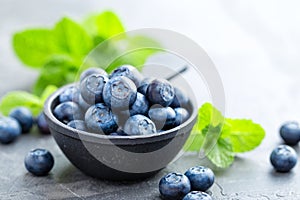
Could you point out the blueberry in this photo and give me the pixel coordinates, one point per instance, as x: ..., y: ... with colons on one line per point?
x: 42, y: 124
x: 39, y: 162
x: 119, y: 93
x: 67, y: 111
x: 119, y: 132
x: 283, y: 158
x: 201, y: 178
x: 24, y: 117
x: 197, y: 195
x: 100, y: 119
x: 10, y: 129
x: 181, y: 116
x: 161, y: 92
x: 70, y: 94
x: 83, y: 104
x: 78, y: 124
x: 290, y: 133
x: 91, y: 88
x: 140, y: 106
x: 144, y: 85
x: 92, y: 70
x: 163, y: 117
x: 128, y: 71
x: 139, y: 125
x: 174, y: 186
x: 180, y: 99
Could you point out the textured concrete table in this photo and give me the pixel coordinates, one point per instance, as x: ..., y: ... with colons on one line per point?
x: 256, y: 87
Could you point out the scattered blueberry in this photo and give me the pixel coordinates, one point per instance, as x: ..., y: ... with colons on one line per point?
x: 128, y: 71
x: 283, y: 158
x: 78, y: 124
x: 139, y: 125
x: 42, y: 124
x: 290, y: 133
x: 10, y: 129
x: 24, y: 117
x: 92, y: 70
x: 119, y: 93
x: 91, y: 88
x: 180, y: 99
x: 70, y: 94
x: 100, y: 119
x: 174, y: 186
x: 163, y: 117
x: 161, y: 92
x: 67, y: 111
x: 144, y: 85
x: 201, y: 178
x: 197, y: 195
x: 39, y: 162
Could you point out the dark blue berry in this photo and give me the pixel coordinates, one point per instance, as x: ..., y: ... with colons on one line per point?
x: 128, y: 71
x: 10, y: 129
x: 70, y: 94
x: 140, y: 106
x: 67, y: 111
x: 119, y: 132
x: 100, y: 119
x: 201, y: 178
x: 161, y: 92
x: 180, y: 99
x: 163, y: 117
x: 144, y: 85
x: 39, y: 162
x: 119, y: 93
x: 92, y: 70
x: 24, y: 117
x: 283, y: 158
x: 197, y: 195
x: 181, y: 116
x: 290, y: 133
x: 42, y: 124
x: 139, y: 125
x: 78, y: 124
x: 174, y: 186
x: 91, y: 88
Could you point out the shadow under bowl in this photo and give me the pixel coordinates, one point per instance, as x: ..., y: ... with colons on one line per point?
x: 120, y: 158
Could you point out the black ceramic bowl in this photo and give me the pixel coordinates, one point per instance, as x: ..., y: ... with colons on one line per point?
x: 118, y: 157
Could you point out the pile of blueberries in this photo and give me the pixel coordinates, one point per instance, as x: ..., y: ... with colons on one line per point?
x: 284, y: 158
x: 122, y: 103
x: 20, y: 120
x: 189, y: 186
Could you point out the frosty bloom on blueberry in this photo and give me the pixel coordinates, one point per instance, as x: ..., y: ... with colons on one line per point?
x: 122, y: 103
x: 283, y: 158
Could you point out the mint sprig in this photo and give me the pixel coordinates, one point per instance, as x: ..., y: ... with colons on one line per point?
x: 59, y: 52
x: 221, y: 138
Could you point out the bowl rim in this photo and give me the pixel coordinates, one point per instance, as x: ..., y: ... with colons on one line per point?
x: 94, y: 137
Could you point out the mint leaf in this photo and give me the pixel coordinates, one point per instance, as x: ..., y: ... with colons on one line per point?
x: 20, y: 98
x: 209, y: 115
x: 50, y: 89
x: 103, y: 26
x: 221, y: 154
x: 72, y: 39
x: 194, y: 142
x: 59, y: 71
x: 34, y: 47
x: 244, y: 135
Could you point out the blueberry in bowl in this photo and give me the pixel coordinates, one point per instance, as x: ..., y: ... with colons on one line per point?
x: 103, y: 146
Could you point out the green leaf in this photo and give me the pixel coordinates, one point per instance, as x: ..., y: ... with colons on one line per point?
x: 244, y: 135
x: 50, y: 89
x: 34, y: 47
x: 221, y: 154
x: 194, y: 142
x: 72, y: 39
x: 209, y: 115
x: 59, y: 71
x: 104, y: 26
x: 20, y: 98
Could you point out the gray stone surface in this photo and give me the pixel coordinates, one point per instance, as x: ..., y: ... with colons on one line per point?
x: 259, y: 84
